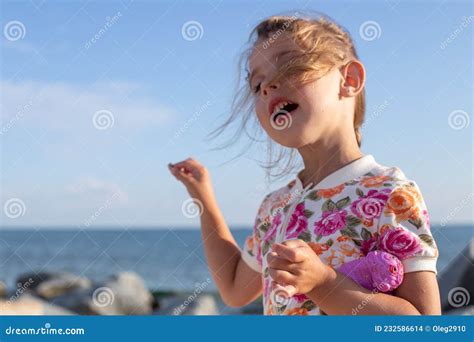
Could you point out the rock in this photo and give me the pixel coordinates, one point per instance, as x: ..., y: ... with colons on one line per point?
x: 30, y: 305
x: 123, y: 294
x: 465, y: 311
x: 79, y: 301
x: 169, y: 304
x: 3, y: 289
x: 130, y: 295
x: 32, y: 280
x: 64, y: 283
x: 203, y: 305
x: 456, y: 284
x: 50, y: 285
x: 186, y: 305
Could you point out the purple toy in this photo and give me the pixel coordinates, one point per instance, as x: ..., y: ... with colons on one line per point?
x: 377, y: 270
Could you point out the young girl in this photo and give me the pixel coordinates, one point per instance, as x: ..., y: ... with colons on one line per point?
x: 306, y: 86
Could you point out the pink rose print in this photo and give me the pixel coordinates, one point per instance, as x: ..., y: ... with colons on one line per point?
x: 371, y: 205
x: 399, y: 242
x: 298, y: 222
x: 266, y: 287
x: 331, y: 222
x: 301, y: 298
x: 271, y: 232
x: 368, y: 245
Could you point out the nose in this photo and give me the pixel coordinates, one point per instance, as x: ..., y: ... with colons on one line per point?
x: 267, y: 87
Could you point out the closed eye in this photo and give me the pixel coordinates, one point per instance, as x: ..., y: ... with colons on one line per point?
x: 256, y: 89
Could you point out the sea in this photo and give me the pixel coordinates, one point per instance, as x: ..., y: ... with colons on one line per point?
x: 167, y: 259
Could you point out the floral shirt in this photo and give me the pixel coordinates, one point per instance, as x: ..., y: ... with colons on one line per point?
x: 360, y: 207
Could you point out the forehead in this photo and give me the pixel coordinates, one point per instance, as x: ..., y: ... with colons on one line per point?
x: 266, y: 48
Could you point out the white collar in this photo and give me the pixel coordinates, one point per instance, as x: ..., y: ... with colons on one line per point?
x: 346, y: 173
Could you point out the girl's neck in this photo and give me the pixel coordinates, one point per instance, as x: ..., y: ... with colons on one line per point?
x: 321, y: 160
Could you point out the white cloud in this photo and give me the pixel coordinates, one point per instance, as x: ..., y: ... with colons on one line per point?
x: 69, y: 108
x: 96, y: 190
x: 20, y: 46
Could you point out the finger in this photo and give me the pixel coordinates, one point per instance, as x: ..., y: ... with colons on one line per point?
x: 193, y: 162
x: 182, y: 176
x: 282, y: 277
x: 189, y: 166
x: 276, y: 262
x: 292, y: 254
x: 294, y: 243
x: 188, y: 163
x: 181, y: 169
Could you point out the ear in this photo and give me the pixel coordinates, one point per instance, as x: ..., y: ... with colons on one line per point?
x: 353, y: 78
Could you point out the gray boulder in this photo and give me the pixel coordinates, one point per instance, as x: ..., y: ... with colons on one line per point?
x: 131, y: 297
x: 28, y: 304
x: 456, y: 284
x: 65, y: 283
x: 52, y: 284
x: 3, y: 289
x: 464, y: 311
x: 188, y: 305
x: 124, y: 294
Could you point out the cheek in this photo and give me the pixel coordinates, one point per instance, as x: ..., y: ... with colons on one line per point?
x: 320, y: 97
x: 261, y: 112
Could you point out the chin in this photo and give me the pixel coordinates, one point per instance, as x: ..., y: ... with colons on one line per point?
x: 290, y: 139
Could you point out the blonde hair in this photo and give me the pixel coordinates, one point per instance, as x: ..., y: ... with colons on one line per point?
x: 324, y: 45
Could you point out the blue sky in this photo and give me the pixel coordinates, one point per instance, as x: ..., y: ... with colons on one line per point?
x: 130, y: 62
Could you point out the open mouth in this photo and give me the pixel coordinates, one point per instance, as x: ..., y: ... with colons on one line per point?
x: 283, y: 108
x: 281, y: 111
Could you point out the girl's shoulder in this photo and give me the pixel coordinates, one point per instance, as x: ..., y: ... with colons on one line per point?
x: 274, y: 200
x: 387, y: 176
x: 393, y: 182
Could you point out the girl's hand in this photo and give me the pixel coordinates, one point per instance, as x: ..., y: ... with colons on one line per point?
x: 294, y: 266
x: 195, y: 178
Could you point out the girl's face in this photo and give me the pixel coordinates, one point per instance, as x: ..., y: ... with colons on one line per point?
x: 312, y: 110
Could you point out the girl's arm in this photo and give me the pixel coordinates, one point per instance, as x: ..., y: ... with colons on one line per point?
x: 339, y: 295
x: 238, y: 284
